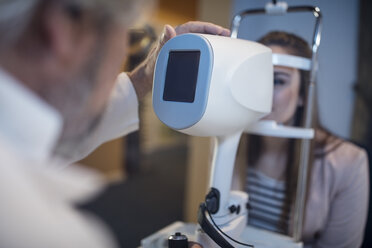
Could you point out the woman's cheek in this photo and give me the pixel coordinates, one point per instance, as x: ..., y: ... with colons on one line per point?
x: 283, y: 108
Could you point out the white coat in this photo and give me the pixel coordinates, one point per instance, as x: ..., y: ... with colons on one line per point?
x: 37, y: 192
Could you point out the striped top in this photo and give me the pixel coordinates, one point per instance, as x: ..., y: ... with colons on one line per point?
x: 266, y: 197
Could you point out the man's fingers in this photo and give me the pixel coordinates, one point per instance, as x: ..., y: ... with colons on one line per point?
x: 201, y: 27
x: 194, y: 245
x: 225, y: 32
x: 215, y: 29
x: 168, y: 33
x: 192, y: 27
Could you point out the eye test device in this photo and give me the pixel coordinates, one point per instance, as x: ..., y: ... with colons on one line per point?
x: 215, y: 86
x: 204, y: 84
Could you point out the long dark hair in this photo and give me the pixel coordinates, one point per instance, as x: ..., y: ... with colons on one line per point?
x: 297, y: 46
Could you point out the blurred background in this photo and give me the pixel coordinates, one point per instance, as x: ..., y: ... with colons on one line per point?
x: 158, y: 176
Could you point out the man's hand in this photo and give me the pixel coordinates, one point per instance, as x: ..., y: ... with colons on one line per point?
x: 194, y: 245
x: 142, y: 75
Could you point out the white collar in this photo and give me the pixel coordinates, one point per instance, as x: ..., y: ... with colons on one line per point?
x: 29, y: 125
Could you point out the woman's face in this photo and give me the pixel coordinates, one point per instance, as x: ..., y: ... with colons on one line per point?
x: 286, y: 91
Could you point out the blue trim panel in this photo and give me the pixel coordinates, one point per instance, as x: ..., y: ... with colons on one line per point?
x: 182, y: 115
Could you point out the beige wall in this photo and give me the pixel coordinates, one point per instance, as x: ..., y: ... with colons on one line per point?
x: 215, y: 11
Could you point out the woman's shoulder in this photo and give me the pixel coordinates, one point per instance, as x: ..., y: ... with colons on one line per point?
x: 343, y: 152
x: 343, y: 159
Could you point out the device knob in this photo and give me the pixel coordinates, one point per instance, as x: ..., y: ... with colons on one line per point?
x: 177, y: 240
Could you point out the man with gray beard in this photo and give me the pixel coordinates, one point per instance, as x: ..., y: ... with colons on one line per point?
x: 60, y: 98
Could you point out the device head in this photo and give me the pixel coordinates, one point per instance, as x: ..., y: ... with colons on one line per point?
x: 208, y: 85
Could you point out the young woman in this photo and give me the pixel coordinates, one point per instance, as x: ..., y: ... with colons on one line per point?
x: 338, y: 186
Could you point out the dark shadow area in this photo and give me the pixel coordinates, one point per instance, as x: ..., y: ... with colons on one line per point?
x: 367, y: 242
x: 362, y: 120
x: 146, y: 202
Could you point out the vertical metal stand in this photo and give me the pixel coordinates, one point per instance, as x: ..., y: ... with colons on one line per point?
x: 305, y: 143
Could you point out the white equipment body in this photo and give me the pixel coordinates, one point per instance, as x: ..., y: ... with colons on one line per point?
x: 236, y: 92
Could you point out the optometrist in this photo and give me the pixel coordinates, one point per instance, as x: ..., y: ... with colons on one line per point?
x: 60, y: 98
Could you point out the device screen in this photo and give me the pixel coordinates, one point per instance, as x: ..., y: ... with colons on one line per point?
x: 181, y: 76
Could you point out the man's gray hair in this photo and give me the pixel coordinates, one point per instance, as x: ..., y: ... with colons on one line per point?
x: 16, y: 15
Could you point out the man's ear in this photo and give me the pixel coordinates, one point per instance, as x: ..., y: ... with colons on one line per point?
x: 68, y: 40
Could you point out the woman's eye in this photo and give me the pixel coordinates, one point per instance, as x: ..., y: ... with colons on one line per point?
x: 278, y: 82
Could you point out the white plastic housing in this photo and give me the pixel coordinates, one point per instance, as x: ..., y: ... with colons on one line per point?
x: 241, y: 87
